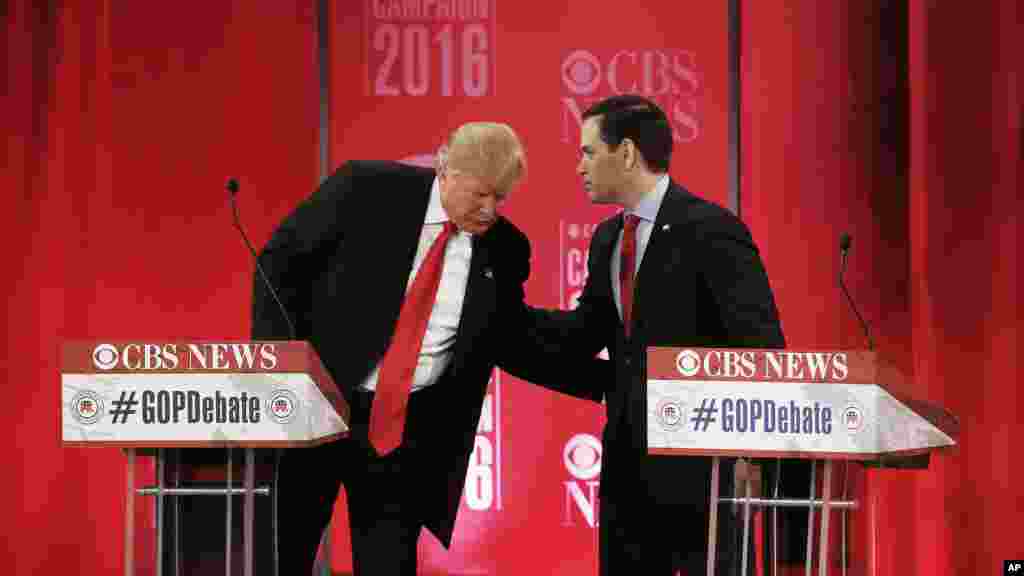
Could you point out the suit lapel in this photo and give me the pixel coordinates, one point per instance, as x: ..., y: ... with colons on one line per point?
x: 604, y: 247
x: 659, y: 247
x: 393, y: 255
x: 478, y: 302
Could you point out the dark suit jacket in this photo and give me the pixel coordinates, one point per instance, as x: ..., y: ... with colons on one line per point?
x: 340, y: 263
x: 700, y: 283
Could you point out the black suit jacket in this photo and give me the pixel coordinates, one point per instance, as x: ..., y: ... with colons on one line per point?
x: 340, y: 263
x: 700, y: 283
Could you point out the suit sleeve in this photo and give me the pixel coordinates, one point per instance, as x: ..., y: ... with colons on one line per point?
x: 535, y: 349
x: 583, y: 331
x: 291, y: 257
x: 738, y: 284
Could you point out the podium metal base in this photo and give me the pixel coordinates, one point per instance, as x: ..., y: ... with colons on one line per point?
x: 189, y: 511
x: 825, y: 504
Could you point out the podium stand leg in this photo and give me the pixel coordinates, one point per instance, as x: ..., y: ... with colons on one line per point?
x: 273, y: 509
x: 168, y: 513
x: 810, y: 520
x: 842, y: 511
x: 176, y: 524
x: 775, y: 518
x: 247, y: 535
x: 129, y: 515
x: 826, y: 497
x: 713, y: 515
x: 227, y: 521
x: 158, y: 560
x: 746, y: 524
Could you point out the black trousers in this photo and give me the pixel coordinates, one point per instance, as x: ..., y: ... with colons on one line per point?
x: 659, y: 526
x: 381, y: 495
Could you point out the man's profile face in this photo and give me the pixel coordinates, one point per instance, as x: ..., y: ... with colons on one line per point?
x: 469, y: 202
x: 599, y: 165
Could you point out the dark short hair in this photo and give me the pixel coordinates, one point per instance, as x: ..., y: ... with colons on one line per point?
x: 639, y: 119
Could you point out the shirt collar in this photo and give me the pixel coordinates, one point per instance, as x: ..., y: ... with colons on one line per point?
x: 649, y: 204
x: 435, y: 212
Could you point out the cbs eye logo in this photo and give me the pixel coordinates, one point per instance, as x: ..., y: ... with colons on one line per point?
x: 581, y: 73
x: 582, y: 456
x: 688, y: 363
x: 105, y: 356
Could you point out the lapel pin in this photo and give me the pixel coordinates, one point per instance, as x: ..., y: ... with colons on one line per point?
x: 488, y: 273
x: 666, y: 227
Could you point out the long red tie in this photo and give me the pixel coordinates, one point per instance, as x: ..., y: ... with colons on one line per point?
x: 627, y: 268
x: 397, y: 368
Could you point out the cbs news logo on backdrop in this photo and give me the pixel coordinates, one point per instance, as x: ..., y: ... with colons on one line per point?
x: 573, y: 251
x: 581, y: 457
x: 670, y: 77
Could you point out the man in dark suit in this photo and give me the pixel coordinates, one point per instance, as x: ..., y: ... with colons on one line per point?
x: 670, y: 270
x: 409, y: 284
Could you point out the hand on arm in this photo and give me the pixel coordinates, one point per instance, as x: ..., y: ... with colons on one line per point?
x: 555, y: 349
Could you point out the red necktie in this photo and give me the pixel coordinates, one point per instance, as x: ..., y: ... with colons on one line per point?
x: 628, y: 265
x: 394, y: 380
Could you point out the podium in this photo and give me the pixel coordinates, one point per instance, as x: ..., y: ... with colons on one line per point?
x: 148, y: 397
x: 823, y: 405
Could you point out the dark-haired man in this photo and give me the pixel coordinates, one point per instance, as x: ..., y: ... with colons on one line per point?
x: 670, y: 270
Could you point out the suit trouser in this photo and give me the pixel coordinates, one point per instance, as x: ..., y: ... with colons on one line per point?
x: 644, y: 529
x: 661, y: 541
x: 383, y: 529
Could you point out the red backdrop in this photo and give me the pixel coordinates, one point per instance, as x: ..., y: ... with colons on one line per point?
x: 122, y: 122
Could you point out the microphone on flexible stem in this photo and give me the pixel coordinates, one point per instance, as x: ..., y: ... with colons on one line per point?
x: 844, y: 249
x: 232, y: 188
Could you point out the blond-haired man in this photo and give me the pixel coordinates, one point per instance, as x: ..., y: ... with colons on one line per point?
x: 409, y: 283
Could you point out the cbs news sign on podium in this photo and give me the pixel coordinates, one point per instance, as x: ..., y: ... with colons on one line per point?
x: 787, y: 403
x: 190, y: 393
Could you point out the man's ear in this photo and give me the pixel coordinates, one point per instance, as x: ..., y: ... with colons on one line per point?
x: 441, y: 161
x: 630, y: 154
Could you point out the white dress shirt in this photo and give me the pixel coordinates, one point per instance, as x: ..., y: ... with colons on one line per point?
x: 647, y: 210
x: 436, y: 353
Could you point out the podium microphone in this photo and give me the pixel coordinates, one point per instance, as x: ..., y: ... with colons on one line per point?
x: 232, y: 188
x: 844, y: 249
